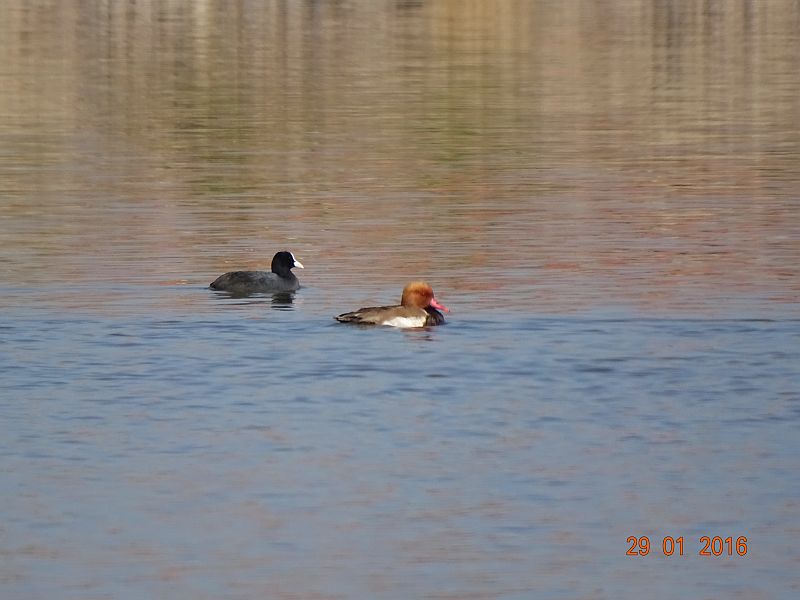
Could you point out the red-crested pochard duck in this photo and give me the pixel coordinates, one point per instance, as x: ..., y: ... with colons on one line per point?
x: 280, y: 280
x: 418, y: 308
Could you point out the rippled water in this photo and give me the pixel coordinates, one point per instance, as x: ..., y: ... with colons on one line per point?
x: 605, y: 195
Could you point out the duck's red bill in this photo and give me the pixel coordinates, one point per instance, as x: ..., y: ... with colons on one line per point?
x: 435, y: 304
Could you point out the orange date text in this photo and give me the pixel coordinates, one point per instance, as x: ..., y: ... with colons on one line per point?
x: 669, y: 545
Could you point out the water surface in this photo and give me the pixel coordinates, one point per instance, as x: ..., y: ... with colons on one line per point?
x: 606, y: 196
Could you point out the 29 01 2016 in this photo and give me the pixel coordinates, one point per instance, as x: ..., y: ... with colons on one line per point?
x: 708, y: 545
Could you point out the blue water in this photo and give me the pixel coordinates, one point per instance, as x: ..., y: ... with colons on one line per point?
x: 604, y: 193
x: 263, y: 450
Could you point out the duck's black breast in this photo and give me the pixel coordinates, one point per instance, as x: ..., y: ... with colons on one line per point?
x: 434, y: 317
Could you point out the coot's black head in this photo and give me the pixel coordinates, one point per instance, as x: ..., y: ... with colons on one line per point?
x: 283, y: 262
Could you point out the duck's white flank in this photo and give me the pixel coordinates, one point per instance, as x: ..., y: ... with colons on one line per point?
x: 405, y: 322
